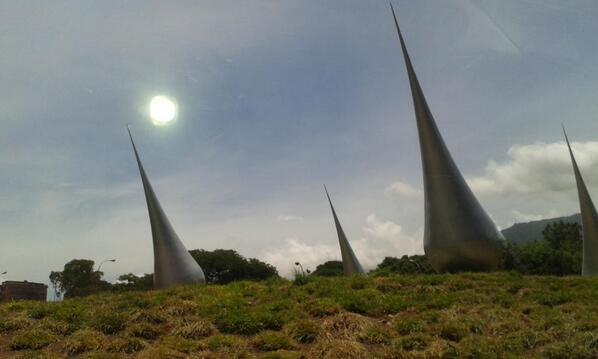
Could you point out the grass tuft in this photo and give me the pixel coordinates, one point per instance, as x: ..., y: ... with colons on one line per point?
x: 84, y: 341
x: 270, y: 341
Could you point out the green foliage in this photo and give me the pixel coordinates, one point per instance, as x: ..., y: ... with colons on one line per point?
x: 417, y: 264
x: 130, y: 281
x: 223, y: 266
x: 558, y: 253
x: 78, y: 279
x: 329, y: 269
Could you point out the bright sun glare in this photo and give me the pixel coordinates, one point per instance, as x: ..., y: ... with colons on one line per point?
x: 163, y: 110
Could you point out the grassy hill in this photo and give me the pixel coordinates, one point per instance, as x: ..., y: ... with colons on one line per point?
x: 427, y: 316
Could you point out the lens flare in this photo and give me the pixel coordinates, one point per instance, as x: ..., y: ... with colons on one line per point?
x: 163, y: 110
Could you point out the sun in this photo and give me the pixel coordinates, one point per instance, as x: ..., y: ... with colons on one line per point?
x: 163, y: 110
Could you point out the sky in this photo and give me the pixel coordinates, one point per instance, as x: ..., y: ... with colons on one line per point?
x: 277, y: 98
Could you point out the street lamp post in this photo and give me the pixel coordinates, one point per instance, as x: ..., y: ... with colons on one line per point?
x: 300, y: 266
x: 104, y: 261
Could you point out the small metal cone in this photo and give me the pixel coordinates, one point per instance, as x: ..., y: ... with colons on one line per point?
x: 173, y: 265
x: 458, y: 235
x: 589, y: 219
x: 351, y: 265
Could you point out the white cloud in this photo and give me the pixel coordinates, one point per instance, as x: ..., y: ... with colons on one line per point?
x: 288, y: 218
x: 527, y: 217
x: 294, y: 250
x: 403, y: 189
x: 538, y: 168
x: 380, y: 239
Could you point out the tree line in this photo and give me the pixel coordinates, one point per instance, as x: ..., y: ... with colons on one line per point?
x: 559, y: 253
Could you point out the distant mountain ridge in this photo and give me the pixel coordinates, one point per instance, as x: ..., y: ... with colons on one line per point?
x: 531, y: 231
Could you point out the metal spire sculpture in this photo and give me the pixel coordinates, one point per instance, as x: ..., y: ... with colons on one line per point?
x: 173, y: 264
x: 589, y: 220
x: 458, y: 234
x: 351, y: 265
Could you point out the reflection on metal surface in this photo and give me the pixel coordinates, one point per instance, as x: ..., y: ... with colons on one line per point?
x: 172, y: 262
x: 351, y: 265
x: 589, y: 220
x: 458, y: 234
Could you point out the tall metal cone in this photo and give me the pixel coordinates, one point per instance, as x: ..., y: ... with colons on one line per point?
x: 589, y: 220
x: 351, y: 265
x: 458, y: 234
x: 172, y: 262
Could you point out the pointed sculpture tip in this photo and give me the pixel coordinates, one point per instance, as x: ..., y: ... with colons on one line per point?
x: 565, y: 133
x: 328, y: 196
x: 567, y: 139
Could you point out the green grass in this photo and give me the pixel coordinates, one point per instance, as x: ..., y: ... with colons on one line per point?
x: 439, y: 316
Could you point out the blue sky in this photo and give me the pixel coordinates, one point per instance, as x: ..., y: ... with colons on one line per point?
x: 276, y: 99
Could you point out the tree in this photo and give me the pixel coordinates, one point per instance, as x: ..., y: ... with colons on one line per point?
x: 130, y: 281
x: 416, y: 264
x: 223, y: 266
x: 78, y: 279
x: 558, y: 253
x: 329, y: 269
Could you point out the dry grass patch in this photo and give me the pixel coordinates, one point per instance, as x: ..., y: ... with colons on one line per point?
x: 346, y: 326
x: 32, y: 339
x: 270, y: 341
x: 195, y: 330
x: 84, y: 341
x: 334, y: 349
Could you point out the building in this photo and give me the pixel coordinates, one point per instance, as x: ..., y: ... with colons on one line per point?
x: 13, y: 290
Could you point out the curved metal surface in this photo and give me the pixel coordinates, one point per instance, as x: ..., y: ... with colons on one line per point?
x: 458, y: 235
x: 173, y: 264
x: 589, y: 220
x: 351, y: 265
